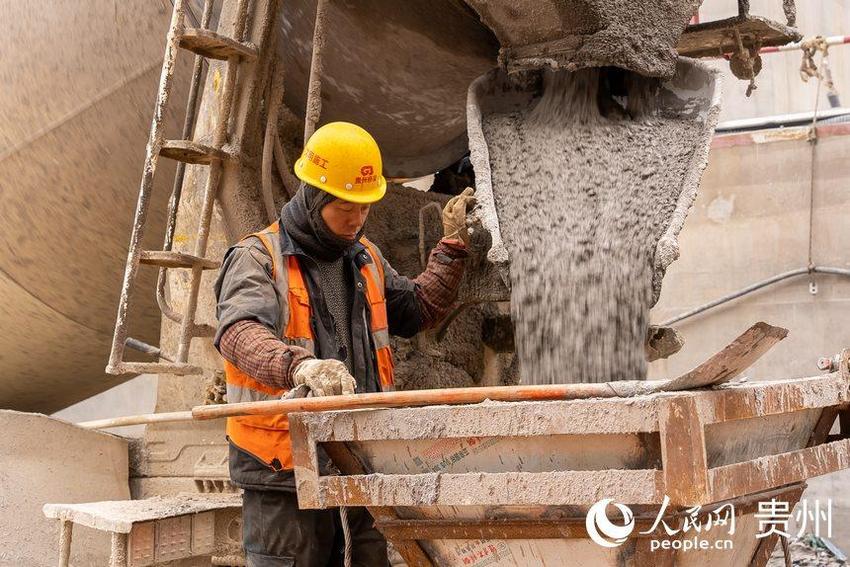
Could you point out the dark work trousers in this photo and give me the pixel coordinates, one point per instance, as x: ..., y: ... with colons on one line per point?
x: 275, y: 533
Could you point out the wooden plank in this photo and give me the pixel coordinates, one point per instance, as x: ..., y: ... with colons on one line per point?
x: 119, y: 516
x: 478, y: 489
x: 757, y: 399
x: 765, y: 547
x: 555, y: 528
x: 578, y: 417
x: 189, y: 151
x: 305, y: 461
x: 348, y: 463
x: 208, y: 43
x: 171, y: 259
x: 683, y: 451
x: 776, y: 470
x: 541, y: 525
x: 736, y: 357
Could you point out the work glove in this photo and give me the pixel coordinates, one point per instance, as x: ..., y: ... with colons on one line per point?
x: 324, y: 377
x: 454, y: 216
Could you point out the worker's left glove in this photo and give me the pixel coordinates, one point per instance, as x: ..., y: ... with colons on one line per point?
x: 454, y: 216
x: 324, y: 377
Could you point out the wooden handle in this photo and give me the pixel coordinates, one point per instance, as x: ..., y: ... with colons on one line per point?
x: 411, y: 398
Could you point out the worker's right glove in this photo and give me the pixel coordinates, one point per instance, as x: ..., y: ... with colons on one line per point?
x: 324, y: 377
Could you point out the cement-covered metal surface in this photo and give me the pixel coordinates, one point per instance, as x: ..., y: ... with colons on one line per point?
x: 638, y: 36
x: 45, y: 460
x: 399, y: 69
x: 750, y: 222
x: 79, y: 84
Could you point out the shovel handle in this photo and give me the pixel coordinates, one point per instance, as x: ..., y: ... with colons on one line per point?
x: 450, y: 396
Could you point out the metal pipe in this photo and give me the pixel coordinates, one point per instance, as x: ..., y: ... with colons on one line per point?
x: 118, y: 553
x: 830, y: 41
x: 314, y: 89
x: 755, y: 287
x: 417, y: 398
x: 384, y: 399
x: 423, y: 253
x: 140, y: 346
x: 273, y: 103
x: 779, y: 120
x: 280, y: 162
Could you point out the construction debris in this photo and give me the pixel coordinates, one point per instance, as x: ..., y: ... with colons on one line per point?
x: 808, y: 551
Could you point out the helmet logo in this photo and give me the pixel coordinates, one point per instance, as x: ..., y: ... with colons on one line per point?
x: 367, y: 175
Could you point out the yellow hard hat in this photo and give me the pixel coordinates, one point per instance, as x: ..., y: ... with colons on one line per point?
x: 344, y: 160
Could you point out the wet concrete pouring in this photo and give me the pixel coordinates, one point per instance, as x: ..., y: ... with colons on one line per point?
x: 585, y: 183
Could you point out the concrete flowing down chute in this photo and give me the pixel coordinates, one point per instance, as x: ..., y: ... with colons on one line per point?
x: 602, y: 165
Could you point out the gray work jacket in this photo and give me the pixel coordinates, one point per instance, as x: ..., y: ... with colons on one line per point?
x: 245, y: 290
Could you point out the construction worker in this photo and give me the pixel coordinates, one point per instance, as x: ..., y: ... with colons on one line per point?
x: 309, y: 300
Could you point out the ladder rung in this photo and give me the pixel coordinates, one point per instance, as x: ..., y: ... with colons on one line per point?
x: 191, y: 152
x: 208, y: 43
x: 166, y: 259
x: 180, y: 369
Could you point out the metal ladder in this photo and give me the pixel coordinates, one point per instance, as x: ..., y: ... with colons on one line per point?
x: 206, y: 44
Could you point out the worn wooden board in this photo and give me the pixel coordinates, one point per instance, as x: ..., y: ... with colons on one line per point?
x: 727, y: 364
x: 683, y: 451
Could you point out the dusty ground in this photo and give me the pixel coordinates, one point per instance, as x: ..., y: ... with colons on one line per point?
x: 803, y: 555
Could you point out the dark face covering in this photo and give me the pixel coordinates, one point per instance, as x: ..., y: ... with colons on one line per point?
x: 302, y: 218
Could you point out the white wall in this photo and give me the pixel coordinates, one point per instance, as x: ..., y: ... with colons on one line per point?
x: 133, y: 397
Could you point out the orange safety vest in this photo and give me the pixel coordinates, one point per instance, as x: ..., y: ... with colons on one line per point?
x: 267, y: 437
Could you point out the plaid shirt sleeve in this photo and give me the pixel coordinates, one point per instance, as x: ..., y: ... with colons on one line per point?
x: 420, y: 303
x: 437, y: 286
x: 255, y: 350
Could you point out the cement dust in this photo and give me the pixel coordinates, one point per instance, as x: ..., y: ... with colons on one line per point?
x: 585, y: 183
